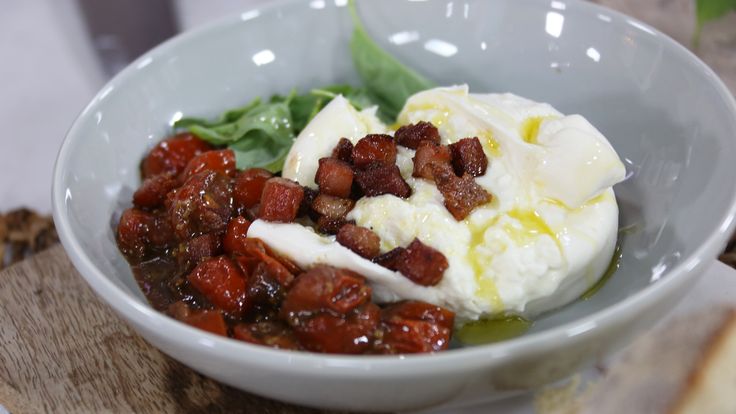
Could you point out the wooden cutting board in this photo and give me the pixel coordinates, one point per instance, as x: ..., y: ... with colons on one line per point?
x: 64, y: 351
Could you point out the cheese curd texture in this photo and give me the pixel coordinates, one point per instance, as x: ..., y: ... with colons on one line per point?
x: 547, y: 236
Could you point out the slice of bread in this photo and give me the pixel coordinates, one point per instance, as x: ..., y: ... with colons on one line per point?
x: 686, y: 367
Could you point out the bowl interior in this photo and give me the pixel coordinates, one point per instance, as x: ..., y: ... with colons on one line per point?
x: 663, y: 111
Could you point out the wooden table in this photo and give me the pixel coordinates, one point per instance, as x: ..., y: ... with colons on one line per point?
x: 64, y: 351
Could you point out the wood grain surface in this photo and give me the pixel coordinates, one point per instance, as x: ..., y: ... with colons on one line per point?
x: 64, y: 351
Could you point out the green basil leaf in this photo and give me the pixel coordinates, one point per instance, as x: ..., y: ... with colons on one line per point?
x: 384, y: 77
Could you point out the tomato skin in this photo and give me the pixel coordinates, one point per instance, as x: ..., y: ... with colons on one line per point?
x: 251, y: 253
x: 152, y: 192
x: 273, y: 334
x: 189, y: 227
x: 341, y: 334
x: 237, y: 231
x: 172, y: 155
x: 249, y: 187
x: 325, y: 288
x: 222, y: 283
x: 221, y: 161
x: 197, y: 249
x: 264, y: 289
x: 412, y: 327
x: 209, y: 320
x: 203, y: 204
x: 141, y: 234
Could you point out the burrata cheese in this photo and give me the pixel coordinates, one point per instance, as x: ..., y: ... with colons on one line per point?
x: 547, y: 236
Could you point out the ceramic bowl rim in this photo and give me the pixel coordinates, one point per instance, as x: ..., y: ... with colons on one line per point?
x: 357, y: 366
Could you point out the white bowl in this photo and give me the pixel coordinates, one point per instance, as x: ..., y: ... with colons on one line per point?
x: 665, y: 112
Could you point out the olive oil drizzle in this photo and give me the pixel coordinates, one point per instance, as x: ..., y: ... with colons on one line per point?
x: 507, y: 326
x: 612, y: 268
x: 530, y: 129
x: 493, y: 329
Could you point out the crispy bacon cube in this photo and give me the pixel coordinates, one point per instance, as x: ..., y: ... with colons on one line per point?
x: 332, y: 207
x: 334, y: 177
x: 248, y: 187
x: 280, y: 200
x: 379, y: 178
x: 468, y: 157
x: 411, y: 135
x: 461, y: 194
x: 172, y: 155
x: 327, y: 225
x: 222, y: 161
x: 361, y: 240
x: 422, y: 264
x: 343, y: 151
x: 152, y: 193
x: 427, y: 154
x: 305, y: 208
x: 222, y: 283
x: 390, y: 259
x: 412, y: 326
x: 374, y: 148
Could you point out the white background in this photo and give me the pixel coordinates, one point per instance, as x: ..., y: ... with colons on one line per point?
x: 48, y: 73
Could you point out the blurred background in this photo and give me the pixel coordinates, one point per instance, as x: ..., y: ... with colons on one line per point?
x: 58, y: 53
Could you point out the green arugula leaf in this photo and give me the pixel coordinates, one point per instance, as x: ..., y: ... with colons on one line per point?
x: 388, y: 82
x: 274, y: 119
x: 260, y: 151
x: 707, y: 10
x: 304, y: 108
x: 227, y: 117
x: 260, y: 134
x: 358, y: 97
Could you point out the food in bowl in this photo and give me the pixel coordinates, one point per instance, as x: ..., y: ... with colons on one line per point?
x: 678, y: 166
x: 523, y: 209
x: 187, y: 238
x: 471, y: 206
x: 288, y: 222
